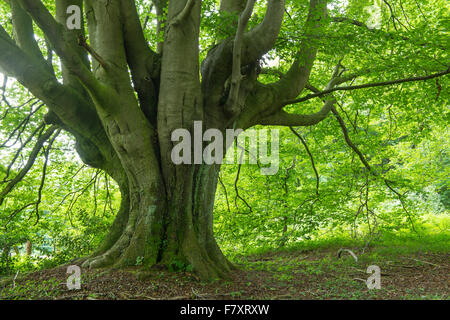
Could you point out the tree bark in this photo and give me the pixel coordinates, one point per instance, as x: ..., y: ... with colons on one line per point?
x: 175, y: 232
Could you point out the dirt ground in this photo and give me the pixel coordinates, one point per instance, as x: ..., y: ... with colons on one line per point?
x: 314, y: 274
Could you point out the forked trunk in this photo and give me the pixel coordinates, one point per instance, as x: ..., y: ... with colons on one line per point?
x: 166, y: 215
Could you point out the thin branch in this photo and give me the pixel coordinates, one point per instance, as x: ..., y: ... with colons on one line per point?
x: 310, y: 156
x: 82, y: 43
x: 288, y: 169
x: 39, y: 130
x: 16, y: 212
x: 349, y: 141
x: 420, y: 9
x: 392, y: 13
x: 108, y: 201
x: 31, y: 159
x: 225, y: 192
x: 367, y: 165
x: 44, y: 172
x: 367, y: 85
x: 77, y: 196
x: 20, y: 128
x: 236, y: 189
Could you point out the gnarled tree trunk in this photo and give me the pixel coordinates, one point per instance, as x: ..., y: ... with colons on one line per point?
x: 123, y: 124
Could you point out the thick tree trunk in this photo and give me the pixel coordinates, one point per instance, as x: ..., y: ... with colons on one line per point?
x: 166, y: 214
x: 177, y: 232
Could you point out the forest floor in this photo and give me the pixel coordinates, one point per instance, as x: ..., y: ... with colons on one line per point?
x: 408, y: 271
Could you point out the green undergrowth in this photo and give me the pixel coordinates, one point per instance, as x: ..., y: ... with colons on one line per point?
x: 431, y: 234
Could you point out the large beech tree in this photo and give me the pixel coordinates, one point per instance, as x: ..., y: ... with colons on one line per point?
x: 121, y: 101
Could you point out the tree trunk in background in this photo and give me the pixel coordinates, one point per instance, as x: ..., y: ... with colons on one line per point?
x: 28, y: 247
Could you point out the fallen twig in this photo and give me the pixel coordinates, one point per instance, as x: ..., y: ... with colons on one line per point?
x: 426, y: 262
x: 349, y: 251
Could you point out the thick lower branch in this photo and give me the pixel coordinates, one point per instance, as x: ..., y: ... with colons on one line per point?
x: 282, y: 118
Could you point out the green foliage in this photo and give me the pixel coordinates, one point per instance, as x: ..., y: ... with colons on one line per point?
x: 180, y: 266
x: 77, y: 203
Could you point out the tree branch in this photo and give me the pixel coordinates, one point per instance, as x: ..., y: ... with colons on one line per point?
x: 294, y: 81
x: 282, y: 118
x: 310, y: 156
x: 73, y: 36
x: 44, y: 173
x: 366, y: 163
x: 143, y: 62
x: 367, y: 85
x: 232, y: 105
x: 65, y: 48
x: 38, y: 131
x: 23, y: 30
x: 76, y: 112
x: 262, y: 38
x: 31, y: 159
x: 160, y: 6
x: 82, y: 43
x: 217, y: 67
x: 269, y: 97
x: 236, y: 189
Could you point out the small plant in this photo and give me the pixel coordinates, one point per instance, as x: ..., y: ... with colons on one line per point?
x: 180, y: 266
x: 139, y: 261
